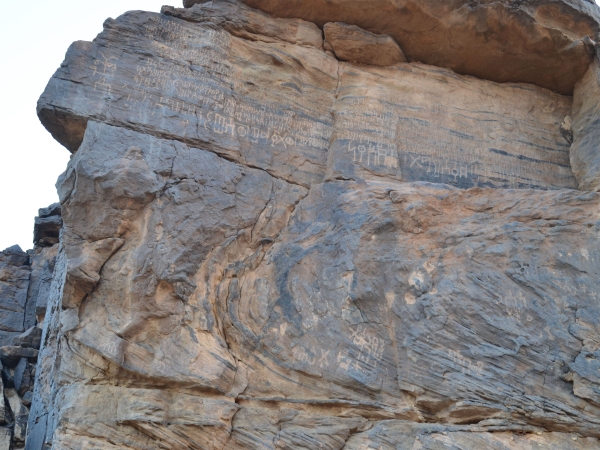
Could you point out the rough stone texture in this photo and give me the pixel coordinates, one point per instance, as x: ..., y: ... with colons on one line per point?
x: 24, y: 288
x: 265, y: 248
x: 202, y: 86
x: 47, y: 226
x: 5, y: 439
x: 11, y: 356
x: 540, y: 41
x: 248, y: 23
x: 14, y: 283
x: 20, y: 414
x: 397, y: 435
x: 42, y: 269
x: 585, y: 158
x: 32, y: 338
x: 415, y: 122
x: 351, y: 43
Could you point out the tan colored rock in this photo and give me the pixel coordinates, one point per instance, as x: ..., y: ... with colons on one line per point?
x: 248, y: 23
x: 585, y: 151
x: 351, y: 43
x: 266, y: 248
x: 540, y: 42
x: 434, y: 437
x: 414, y: 122
x: 303, y: 122
x: 85, y: 263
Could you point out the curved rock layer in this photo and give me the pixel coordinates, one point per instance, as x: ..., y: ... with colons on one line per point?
x: 266, y: 248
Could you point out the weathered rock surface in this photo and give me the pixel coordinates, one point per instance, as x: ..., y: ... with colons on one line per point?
x: 585, y: 158
x: 47, y: 226
x: 352, y: 43
x: 263, y: 247
x: 248, y: 23
x: 204, y: 87
x: 14, y: 283
x: 415, y: 122
x: 24, y: 286
x: 540, y: 42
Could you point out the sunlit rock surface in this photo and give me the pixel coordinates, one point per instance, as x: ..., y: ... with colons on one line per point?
x: 265, y: 247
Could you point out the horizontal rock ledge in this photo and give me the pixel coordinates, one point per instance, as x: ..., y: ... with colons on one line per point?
x: 541, y: 42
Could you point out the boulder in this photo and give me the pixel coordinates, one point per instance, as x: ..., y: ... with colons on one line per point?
x: 47, y: 226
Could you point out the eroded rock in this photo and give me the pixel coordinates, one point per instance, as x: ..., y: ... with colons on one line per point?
x: 540, y: 42
x: 47, y: 226
x: 264, y: 247
x: 352, y: 43
x: 248, y: 23
x: 586, y: 119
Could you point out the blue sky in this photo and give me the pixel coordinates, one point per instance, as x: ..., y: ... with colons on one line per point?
x: 33, y: 42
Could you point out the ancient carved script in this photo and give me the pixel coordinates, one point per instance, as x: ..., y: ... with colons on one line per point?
x: 190, y: 79
x: 433, y: 137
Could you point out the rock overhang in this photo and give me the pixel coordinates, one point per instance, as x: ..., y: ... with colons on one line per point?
x: 542, y: 42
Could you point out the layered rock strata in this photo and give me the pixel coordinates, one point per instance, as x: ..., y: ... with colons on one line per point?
x: 547, y: 43
x: 264, y: 247
x: 25, y: 279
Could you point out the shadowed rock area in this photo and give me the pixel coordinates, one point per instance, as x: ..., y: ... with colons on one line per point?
x: 345, y: 228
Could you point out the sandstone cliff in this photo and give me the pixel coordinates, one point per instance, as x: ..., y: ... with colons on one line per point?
x: 345, y: 225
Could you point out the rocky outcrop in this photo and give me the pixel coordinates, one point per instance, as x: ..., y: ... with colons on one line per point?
x: 24, y: 285
x: 265, y: 247
x: 14, y: 283
x: 546, y: 43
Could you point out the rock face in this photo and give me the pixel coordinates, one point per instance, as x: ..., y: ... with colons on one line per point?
x: 264, y: 247
x: 540, y: 41
x: 586, y: 131
x: 351, y: 43
x: 24, y: 284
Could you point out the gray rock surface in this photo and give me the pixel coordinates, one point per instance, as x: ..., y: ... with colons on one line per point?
x: 25, y: 279
x: 32, y: 338
x: 14, y: 282
x: 263, y: 247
